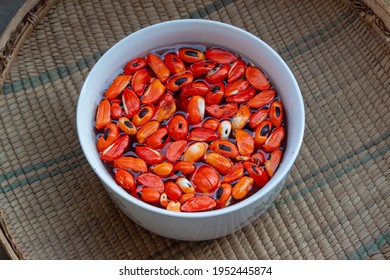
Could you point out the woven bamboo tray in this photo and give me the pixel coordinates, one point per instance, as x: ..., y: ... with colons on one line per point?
x: 336, y: 201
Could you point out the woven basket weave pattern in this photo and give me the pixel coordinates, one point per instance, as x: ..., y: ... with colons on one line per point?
x: 336, y: 201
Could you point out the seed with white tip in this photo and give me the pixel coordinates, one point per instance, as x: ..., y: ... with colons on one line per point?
x: 201, y: 107
x: 185, y: 185
x: 195, y: 152
x: 213, y: 71
x: 224, y: 129
x: 241, y: 117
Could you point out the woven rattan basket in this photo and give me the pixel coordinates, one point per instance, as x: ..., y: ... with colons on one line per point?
x: 336, y: 201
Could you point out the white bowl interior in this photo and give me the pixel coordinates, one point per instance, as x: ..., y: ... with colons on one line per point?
x: 190, y: 31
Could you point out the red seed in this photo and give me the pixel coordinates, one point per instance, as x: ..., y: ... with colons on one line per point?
x: 184, y: 167
x: 110, y: 134
x: 276, y: 113
x: 178, y: 127
x: 150, y: 195
x: 125, y: 179
x: 235, y: 173
x: 115, y: 150
x: 236, y: 71
x: 173, y: 191
x: 202, y: 134
x: 152, y: 181
x: 103, y: 114
x: 174, y: 63
x: 158, y: 67
x: 131, y: 104
x: 217, y: 74
x: 134, y: 65
x: 139, y: 81
x: 258, y: 117
x: 191, y: 55
x: 220, y: 56
x: 258, y: 174
x: 198, y: 203
x: 206, y: 179
x: 225, y: 111
x: 211, y: 124
x: 274, y: 141
x: 117, y: 86
x: 196, y: 88
x: 149, y: 155
x: 257, y: 78
x: 116, y: 110
x: 261, y: 99
x: 175, y: 150
x: 201, y: 68
x: 215, y: 94
x: 272, y: 163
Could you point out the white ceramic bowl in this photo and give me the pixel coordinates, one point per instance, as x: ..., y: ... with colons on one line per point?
x: 203, y: 225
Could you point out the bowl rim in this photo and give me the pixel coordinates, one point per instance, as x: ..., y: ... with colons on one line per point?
x: 270, y: 186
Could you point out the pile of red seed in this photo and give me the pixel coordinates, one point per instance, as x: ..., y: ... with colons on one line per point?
x: 191, y: 129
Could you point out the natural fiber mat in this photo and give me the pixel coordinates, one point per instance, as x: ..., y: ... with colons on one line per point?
x: 336, y: 201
